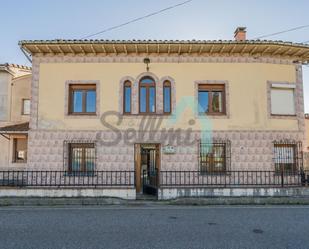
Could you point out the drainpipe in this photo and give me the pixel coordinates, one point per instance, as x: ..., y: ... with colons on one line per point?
x: 25, y: 53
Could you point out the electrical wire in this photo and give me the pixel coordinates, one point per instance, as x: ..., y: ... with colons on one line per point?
x: 137, y: 19
x: 283, y: 31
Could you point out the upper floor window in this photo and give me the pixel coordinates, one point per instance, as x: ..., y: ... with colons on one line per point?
x: 167, y: 103
x: 211, y: 99
x: 127, y: 95
x: 147, y: 96
x: 282, y: 99
x: 26, y: 107
x: 82, y: 99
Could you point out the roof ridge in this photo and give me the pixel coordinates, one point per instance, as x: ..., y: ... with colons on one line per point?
x: 18, y: 66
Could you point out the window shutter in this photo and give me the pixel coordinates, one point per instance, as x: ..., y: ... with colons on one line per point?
x: 282, y: 101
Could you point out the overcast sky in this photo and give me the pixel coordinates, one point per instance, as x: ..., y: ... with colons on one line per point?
x: 199, y: 19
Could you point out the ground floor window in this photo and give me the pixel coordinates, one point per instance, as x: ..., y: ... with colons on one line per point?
x: 214, y: 156
x: 81, y: 157
x: 288, y: 156
x: 20, y: 150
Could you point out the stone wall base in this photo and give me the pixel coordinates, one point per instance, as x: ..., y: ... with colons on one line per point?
x: 123, y: 193
x: 173, y: 193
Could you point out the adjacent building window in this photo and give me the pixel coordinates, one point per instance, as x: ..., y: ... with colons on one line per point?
x: 20, y: 150
x: 127, y: 96
x: 214, y: 157
x: 81, y: 157
x: 167, y: 97
x: 147, y: 96
x: 26, y: 107
x: 211, y: 99
x: 282, y: 99
x: 82, y: 99
x: 287, y: 157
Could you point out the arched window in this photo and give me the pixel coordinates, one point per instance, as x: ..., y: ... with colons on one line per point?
x: 147, y: 95
x: 127, y: 95
x: 167, y: 97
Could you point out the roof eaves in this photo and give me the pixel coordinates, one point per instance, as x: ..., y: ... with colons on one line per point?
x: 76, y: 41
x: 16, y: 128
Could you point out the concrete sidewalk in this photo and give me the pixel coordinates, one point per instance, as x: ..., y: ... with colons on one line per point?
x: 65, y: 201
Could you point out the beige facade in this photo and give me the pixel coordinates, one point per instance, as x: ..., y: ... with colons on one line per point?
x: 249, y: 120
x: 262, y: 102
x: 15, y: 88
x: 253, y: 116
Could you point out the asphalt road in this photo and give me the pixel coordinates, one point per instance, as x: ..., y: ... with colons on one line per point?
x: 155, y: 227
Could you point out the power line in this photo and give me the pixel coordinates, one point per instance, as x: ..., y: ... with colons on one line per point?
x: 283, y: 31
x: 138, y: 19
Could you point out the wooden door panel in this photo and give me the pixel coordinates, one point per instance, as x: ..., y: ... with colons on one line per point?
x: 137, y: 152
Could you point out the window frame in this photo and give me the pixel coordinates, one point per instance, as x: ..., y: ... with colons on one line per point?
x: 147, y: 86
x: 168, y: 84
x: 126, y: 84
x: 15, y: 152
x: 210, y: 88
x: 23, y: 106
x: 280, y: 167
x: 83, y: 146
x: 208, y: 167
x: 84, y: 88
x: 287, y: 87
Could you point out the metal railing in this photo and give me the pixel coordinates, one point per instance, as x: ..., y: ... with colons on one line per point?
x: 163, y: 179
x: 232, y: 179
x: 67, y: 179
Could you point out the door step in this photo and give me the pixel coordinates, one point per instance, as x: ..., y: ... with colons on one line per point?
x: 146, y: 197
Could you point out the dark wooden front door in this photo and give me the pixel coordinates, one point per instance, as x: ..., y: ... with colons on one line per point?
x: 147, y: 167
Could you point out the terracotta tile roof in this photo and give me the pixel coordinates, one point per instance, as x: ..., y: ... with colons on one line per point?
x: 17, y: 128
x: 102, y: 41
x: 15, y: 66
x: 296, y: 51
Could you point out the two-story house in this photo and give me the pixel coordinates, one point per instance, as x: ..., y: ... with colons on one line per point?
x: 166, y: 113
x: 15, y: 83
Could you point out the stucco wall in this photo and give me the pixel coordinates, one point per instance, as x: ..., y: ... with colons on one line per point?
x: 21, y: 88
x: 248, y: 125
x: 247, y: 90
x: 5, y: 93
x: 12, y: 91
x: 306, y: 145
x: 4, y: 152
x: 307, y: 134
x: 249, y: 150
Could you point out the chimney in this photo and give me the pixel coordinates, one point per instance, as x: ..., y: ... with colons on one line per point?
x: 240, y: 34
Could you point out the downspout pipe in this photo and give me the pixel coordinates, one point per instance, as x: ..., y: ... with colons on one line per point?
x: 4, y: 136
x: 25, y: 53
